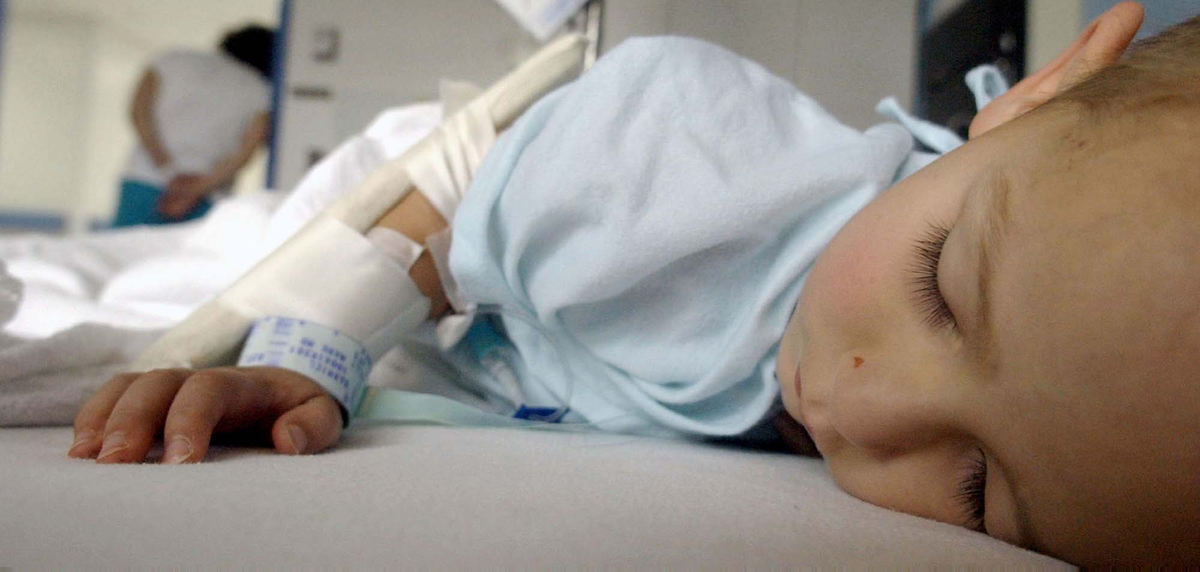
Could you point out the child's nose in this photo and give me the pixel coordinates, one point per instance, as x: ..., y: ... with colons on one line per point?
x: 889, y: 414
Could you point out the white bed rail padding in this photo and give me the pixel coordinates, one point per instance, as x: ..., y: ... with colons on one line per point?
x: 213, y: 334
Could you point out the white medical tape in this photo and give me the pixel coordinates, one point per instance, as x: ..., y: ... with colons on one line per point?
x: 442, y: 172
x: 453, y: 327
x: 337, y: 362
x: 404, y: 250
x: 332, y: 275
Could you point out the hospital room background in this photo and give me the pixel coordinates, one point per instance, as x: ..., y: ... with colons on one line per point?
x: 68, y: 68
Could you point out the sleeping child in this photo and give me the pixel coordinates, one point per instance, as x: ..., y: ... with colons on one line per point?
x: 679, y: 242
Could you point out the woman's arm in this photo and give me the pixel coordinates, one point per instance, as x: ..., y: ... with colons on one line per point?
x: 141, y: 113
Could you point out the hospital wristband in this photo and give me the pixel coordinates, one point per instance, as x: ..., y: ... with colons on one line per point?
x: 335, y: 361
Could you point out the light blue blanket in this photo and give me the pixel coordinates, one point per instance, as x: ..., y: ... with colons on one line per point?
x: 644, y: 232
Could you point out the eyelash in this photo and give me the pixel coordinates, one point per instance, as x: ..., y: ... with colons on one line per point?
x: 971, y: 493
x: 925, y: 278
x: 937, y: 312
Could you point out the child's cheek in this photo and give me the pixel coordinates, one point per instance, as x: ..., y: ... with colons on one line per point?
x: 846, y: 280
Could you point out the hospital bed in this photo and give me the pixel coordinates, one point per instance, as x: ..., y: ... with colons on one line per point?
x: 387, y: 496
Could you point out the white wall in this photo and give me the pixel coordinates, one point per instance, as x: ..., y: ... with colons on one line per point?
x: 40, y: 145
x: 1051, y: 26
x: 847, y: 54
x: 1160, y: 14
x: 1054, y: 24
x: 69, y: 71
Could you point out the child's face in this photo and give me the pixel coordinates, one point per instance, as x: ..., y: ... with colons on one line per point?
x: 1053, y: 342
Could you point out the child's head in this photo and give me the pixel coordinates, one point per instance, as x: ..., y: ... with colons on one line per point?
x: 1010, y: 339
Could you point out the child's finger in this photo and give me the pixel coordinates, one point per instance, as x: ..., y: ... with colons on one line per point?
x: 138, y: 415
x: 229, y: 399
x: 310, y: 427
x: 90, y: 421
x: 207, y: 399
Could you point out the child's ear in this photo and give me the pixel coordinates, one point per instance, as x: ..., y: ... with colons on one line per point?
x: 1101, y: 44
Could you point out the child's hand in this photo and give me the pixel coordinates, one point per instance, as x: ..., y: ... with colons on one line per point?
x: 121, y: 422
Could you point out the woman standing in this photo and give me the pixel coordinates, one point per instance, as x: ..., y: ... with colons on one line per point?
x: 199, y: 119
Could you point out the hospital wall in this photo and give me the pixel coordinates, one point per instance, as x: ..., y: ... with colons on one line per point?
x: 1053, y: 24
x: 41, y: 154
x: 847, y: 54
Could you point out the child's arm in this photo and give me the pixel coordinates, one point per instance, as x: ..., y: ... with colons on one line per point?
x: 416, y: 218
x: 121, y: 421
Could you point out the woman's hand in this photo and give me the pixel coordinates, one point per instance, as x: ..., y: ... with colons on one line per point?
x: 121, y: 422
x: 183, y: 193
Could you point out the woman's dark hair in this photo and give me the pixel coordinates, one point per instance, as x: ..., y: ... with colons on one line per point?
x: 252, y: 45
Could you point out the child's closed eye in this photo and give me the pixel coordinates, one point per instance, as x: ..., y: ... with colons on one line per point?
x: 971, y: 493
x: 926, y: 292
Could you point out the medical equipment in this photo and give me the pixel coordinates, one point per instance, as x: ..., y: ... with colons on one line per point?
x: 308, y: 276
x: 542, y: 17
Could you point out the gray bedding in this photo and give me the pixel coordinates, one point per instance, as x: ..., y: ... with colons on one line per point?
x: 438, y: 498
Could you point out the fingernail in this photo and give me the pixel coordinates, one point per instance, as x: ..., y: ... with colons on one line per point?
x: 82, y: 438
x: 114, y: 443
x: 179, y: 450
x: 299, y: 441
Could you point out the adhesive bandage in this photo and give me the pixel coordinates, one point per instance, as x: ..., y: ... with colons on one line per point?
x: 402, y: 249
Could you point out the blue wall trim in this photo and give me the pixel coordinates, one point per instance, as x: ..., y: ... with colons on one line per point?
x: 26, y: 221
x: 42, y: 222
x: 278, y: 69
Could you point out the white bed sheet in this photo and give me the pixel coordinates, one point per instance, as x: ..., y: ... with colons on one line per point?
x: 456, y: 498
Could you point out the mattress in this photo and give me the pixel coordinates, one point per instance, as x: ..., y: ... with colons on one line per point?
x: 462, y: 498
